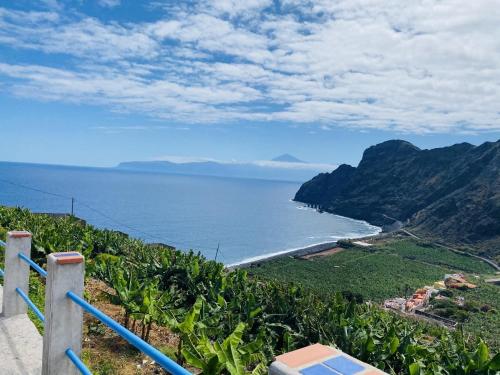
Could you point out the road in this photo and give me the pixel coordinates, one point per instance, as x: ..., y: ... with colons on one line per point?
x: 489, y: 261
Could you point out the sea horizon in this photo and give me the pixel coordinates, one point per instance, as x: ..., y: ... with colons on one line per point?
x: 258, y: 221
x: 116, y: 169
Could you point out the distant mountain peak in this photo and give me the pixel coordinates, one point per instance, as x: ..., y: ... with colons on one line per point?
x: 287, y: 158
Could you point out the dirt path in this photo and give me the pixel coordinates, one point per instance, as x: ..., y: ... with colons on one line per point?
x: 324, y: 253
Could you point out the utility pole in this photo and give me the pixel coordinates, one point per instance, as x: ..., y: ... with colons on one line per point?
x: 72, y: 206
x: 217, y: 252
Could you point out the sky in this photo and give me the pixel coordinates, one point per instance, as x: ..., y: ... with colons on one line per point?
x: 100, y: 82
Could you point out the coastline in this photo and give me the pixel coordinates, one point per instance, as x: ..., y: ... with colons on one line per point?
x: 311, y: 249
x: 308, y: 249
x: 300, y: 251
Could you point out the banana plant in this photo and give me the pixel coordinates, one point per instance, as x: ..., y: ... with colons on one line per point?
x: 149, y: 304
x: 127, y: 288
x: 230, y: 356
x: 231, y: 322
x: 214, y: 357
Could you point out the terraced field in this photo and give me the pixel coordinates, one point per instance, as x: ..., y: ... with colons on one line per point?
x: 380, y: 272
x: 391, y: 269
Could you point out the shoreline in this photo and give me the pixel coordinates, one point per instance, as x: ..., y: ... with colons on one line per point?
x: 301, y: 251
x: 296, y: 252
x: 311, y: 249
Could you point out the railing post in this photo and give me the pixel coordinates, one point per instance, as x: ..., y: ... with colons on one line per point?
x: 16, y: 273
x: 63, y: 317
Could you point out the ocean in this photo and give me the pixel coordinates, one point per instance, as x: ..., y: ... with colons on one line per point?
x: 244, y: 219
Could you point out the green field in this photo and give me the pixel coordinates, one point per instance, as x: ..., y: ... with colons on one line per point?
x: 377, y: 273
x: 389, y: 270
x: 428, y: 253
x: 484, y: 324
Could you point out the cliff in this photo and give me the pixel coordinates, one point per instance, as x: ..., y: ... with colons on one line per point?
x: 451, y: 193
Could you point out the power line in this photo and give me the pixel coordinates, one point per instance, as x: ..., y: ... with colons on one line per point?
x: 81, y: 203
x: 35, y: 189
x: 117, y: 222
x: 217, y: 251
x: 99, y: 212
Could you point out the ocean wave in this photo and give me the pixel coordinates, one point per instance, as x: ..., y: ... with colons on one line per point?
x: 270, y: 255
x: 350, y: 235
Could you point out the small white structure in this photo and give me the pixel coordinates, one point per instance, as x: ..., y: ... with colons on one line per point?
x: 362, y: 243
x: 395, y: 304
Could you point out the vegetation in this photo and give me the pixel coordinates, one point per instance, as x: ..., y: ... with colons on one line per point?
x: 377, y: 273
x: 427, y: 253
x: 228, y: 322
x: 395, y: 268
x: 374, y: 275
x: 480, y: 312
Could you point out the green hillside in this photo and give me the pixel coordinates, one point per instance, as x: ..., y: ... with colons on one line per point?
x: 227, y: 322
x: 393, y: 269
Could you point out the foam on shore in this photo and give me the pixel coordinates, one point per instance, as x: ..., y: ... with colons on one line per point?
x: 308, y: 249
x: 298, y: 251
x: 277, y: 254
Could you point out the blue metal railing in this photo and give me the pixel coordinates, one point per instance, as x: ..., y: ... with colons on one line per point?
x: 140, y: 344
x: 2, y: 244
x: 35, y: 266
x: 134, y: 340
x: 30, y: 304
x: 77, y: 362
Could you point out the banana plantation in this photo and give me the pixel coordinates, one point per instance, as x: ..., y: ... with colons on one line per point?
x: 230, y: 323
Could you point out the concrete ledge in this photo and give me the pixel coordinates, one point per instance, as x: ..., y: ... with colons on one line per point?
x: 20, y: 346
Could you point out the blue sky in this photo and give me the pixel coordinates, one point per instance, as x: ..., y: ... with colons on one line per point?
x: 99, y: 82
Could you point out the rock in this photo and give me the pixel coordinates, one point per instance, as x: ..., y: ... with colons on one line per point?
x: 451, y: 192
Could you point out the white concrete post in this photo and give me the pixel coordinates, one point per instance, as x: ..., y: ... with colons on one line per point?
x: 16, y: 273
x: 63, y: 317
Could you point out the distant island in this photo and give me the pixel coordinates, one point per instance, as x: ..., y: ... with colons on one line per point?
x: 449, y: 193
x: 284, y: 167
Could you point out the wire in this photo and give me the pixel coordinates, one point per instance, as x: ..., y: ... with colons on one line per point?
x: 35, y: 189
x: 110, y: 218
x: 99, y: 212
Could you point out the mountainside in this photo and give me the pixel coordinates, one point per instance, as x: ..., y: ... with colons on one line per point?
x: 452, y: 192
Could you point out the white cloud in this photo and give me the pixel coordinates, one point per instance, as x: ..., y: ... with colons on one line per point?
x: 236, y: 7
x: 86, y: 38
x: 186, y: 159
x: 318, y: 167
x: 296, y: 166
x: 418, y: 66
x: 109, y: 3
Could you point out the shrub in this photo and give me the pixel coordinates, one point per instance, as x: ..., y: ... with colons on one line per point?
x: 350, y: 296
x: 346, y: 244
x: 446, y: 293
